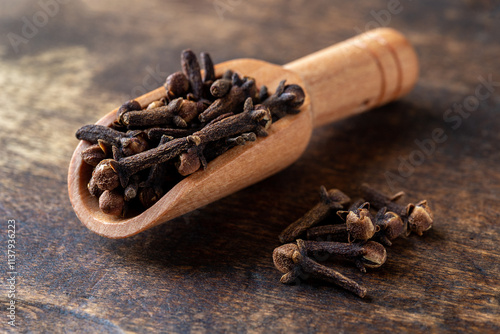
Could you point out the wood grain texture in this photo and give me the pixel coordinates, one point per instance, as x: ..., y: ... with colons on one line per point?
x: 211, y: 270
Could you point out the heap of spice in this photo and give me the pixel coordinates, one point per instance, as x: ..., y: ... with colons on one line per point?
x: 359, y: 235
x: 148, y: 149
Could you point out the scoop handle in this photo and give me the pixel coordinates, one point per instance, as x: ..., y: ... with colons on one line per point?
x: 358, y: 74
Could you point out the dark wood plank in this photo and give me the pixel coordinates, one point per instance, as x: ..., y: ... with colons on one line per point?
x: 211, y: 270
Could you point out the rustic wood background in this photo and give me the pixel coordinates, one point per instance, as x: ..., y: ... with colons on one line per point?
x: 211, y: 270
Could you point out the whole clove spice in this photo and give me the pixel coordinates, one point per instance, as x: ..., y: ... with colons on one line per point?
x: 154, y: 117
x: 369, y: 254
x: 220, y: 87
x: 134, y: 144
x: 332, y: 199
x: 176, y: 85
x: 286, y: 100
x: 293, y: 262
x: 256, y: 120
x: 418, y: 216
x: 328, y: 232
x: 93, y: 132
x: 132, y: 188
x: 191, y: 69
x: 126, y: 167
x: 104, y: 176
x: 155, y: 134
x: 391, y: 226
x: 208, y: 67
x: 93, y: 154
x: 227, y: 103
x: 358, y: 220
x: 189, y: 162
x: 126, y: 107
x: 93, y: 188
x: 112, y: 202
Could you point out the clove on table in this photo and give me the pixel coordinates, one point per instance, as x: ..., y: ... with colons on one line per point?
x: 359, y: 236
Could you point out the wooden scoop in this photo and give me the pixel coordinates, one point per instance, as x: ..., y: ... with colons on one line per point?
x: 345, y: 79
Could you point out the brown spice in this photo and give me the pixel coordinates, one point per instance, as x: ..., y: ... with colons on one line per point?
x: 332, y: 199
x: 358, y: 220
x: 418, y: 216
x: 93, y: 154
x: 369, y: 254
x: 177, y: 85
x: 111, y: 202
x: 220, y: 87
x: 191, y: 69
x: 391, y: 226
x: 292, y: 260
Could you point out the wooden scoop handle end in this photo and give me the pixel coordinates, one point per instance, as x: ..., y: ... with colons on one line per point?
x: 358, y: 74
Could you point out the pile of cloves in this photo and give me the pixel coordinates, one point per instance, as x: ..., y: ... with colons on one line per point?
x: 335, y: 229
x: 148, y: 149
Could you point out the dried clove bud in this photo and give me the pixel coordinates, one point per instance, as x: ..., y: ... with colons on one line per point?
x: 228, y: 74
x: 332, y: 199
x: 177, y: 85
x: 179, y: 112
x: 152, y: 117
x: 94, y: 190
x: 187, y: 111
x: 418, y: 216
x: 286, y: 100
x: 227, y: 103
x: 111, y: 202
x: 358, y: 221
x: 370, y: 254
x: 189, y: 162
x: 104, y: 176
x: 191, y: 69
x: 132, y: 188
x: 93, y: 154
x: 220, y: 87
x: 157, y: 133
x: 208, y: 67
x: 294, y: 263
x: 236, y: 80
x: 93, y: 132
x: 263, y: 93
x: 328, y: 232
x: 152, y: 189
x: 196, y: 157
x: 255, y: 120
x: 128, y: 106
x: 391, y: 226
x: 250, y: 89
x: 133, y: 145
x: 130, y: 165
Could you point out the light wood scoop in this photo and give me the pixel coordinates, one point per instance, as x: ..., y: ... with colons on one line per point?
x: 345, y: 79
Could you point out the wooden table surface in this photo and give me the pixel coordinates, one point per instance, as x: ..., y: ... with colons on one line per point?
x: 64, y: 64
